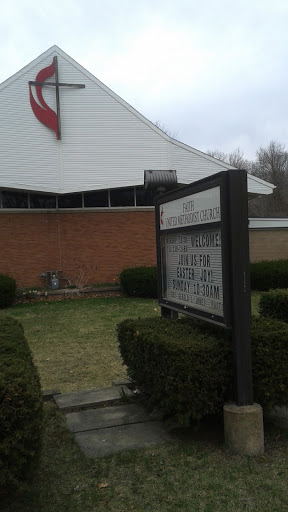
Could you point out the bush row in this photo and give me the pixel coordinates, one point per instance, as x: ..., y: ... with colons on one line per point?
x: 139, y: 282
x: 185, y: 366
x: 20, y: 407
x: 274, y: 304
x: 265, y: 275
x: 268, y: 275
x: 7, y: 290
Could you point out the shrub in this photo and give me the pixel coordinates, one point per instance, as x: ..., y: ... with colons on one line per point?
x: 20, y: 407
x: 7, y: 290
x: 180, y: 368
x: 269, y: 340
x: 274, y: 304
x: 139, y: 282
x: 185, y: 367
x: 27, y: 293
x: 269, y: 347
x: 266, y: 275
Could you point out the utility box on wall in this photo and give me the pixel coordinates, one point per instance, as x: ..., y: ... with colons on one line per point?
x: 53, y: 279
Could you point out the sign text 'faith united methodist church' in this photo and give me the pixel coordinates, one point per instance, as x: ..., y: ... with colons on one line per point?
x: 192, y: 250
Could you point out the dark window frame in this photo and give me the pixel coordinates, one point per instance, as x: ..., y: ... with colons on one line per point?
x: 122, y: 191
x: 28, y: 204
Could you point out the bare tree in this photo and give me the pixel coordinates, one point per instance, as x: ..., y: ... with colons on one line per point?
x: 271, y: 165
x: 235, y: 158
x: 166, y: 130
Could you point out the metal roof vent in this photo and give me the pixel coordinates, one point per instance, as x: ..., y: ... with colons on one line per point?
x: 160, y: 180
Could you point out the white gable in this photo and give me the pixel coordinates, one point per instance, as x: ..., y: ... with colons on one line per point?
x: 105, y: 142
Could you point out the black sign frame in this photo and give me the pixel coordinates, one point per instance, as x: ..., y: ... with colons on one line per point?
x: 218, y: 180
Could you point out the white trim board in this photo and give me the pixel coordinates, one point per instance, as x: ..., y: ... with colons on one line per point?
x: 268, y: 223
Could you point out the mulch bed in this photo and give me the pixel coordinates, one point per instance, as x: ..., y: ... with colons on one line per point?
x: 71, y: 295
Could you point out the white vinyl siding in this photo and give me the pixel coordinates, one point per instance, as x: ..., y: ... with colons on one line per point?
x: 105, y: 142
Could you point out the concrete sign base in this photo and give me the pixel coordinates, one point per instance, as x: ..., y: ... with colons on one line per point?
x: 243, y: 426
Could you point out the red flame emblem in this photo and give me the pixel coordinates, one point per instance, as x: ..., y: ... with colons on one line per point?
x: 44, y: 113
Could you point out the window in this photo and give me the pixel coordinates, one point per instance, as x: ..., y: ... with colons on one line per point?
x: 115, y: 198
x: 42, y: 201
x: 96, y: 199
x: 11, y: 199
x: 145, y: 197
x: 70, y: 201
x: 122, y: 197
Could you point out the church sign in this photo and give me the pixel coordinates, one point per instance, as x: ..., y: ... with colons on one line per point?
x: 203, y: 261
x: 192, y: 250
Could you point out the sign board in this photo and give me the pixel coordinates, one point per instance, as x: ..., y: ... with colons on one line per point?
x: 203, y: 261
x: 192, y: 246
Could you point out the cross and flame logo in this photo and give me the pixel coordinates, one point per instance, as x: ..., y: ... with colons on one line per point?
x: 44, y: 113
x: 161, y: 215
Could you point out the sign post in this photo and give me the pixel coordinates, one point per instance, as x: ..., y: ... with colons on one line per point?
x: 240, y: 289
x: 203, y: 272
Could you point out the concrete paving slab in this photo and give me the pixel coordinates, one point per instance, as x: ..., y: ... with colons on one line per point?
x: 94, y: 419
x: 106, y: 441
x: 91, y: 398
x: 48, y: 394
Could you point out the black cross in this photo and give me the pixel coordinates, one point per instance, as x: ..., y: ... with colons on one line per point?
x: 57, y: 84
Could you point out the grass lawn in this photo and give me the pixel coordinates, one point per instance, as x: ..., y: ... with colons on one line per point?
x: 74, y: 341
x: 193, y: 474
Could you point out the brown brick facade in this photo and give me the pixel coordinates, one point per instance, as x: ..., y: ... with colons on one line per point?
x: 268, y: 244
x: 95, y: 246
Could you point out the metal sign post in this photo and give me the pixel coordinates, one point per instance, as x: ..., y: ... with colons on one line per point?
x: 240, y: 286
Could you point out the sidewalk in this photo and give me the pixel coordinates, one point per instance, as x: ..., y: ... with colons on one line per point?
x: 108, y: 420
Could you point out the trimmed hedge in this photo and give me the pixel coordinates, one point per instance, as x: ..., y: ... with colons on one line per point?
x: 267, y: 275
x: 264, y: 275
x: 274, y: 304
x: 7, y: 290
x: 269, y: 339
x: 180, y: 368
x: 21, y: 407
x: 185, y: 367
x: 139, y: 282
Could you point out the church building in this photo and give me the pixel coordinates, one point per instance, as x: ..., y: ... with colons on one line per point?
x: 72, y: 160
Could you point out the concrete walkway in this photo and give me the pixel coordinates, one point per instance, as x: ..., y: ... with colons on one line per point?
x: 108, y: 420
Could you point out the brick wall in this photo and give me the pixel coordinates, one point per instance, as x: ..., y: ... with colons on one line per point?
x: 94, y: 246
x: 268, y: 244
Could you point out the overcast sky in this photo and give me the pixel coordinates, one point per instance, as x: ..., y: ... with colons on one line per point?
x: 214, y: 72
